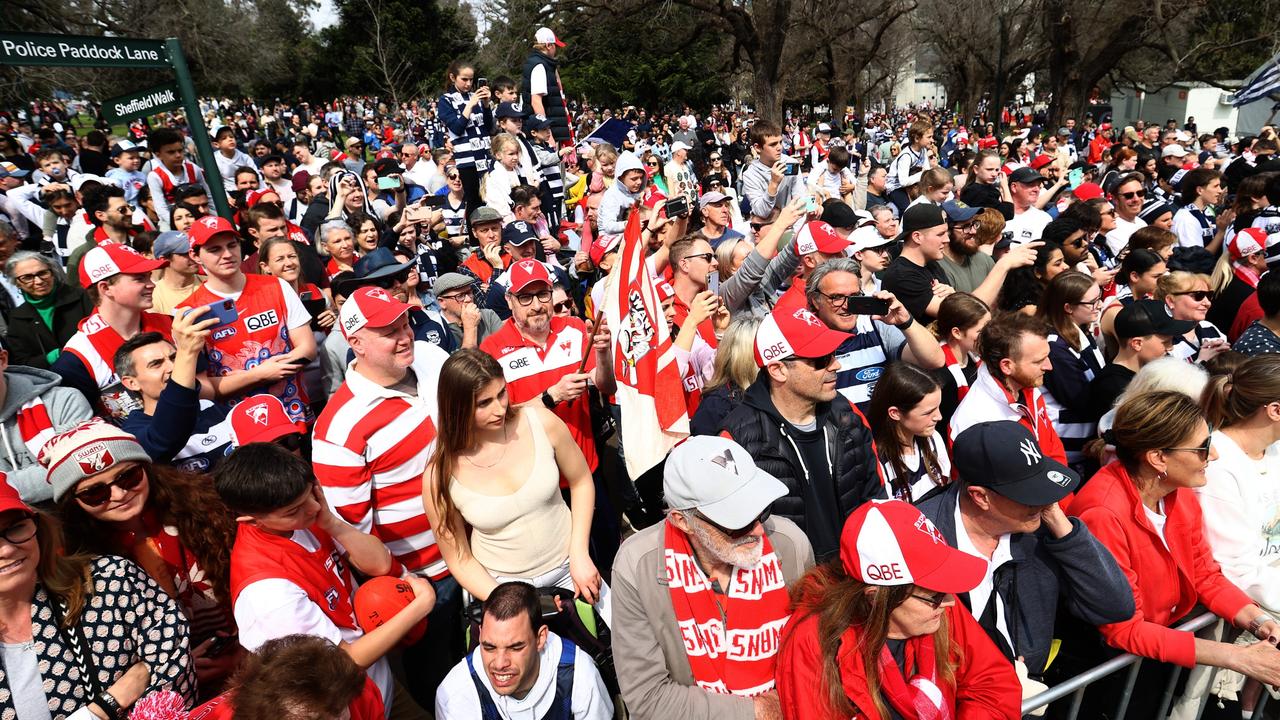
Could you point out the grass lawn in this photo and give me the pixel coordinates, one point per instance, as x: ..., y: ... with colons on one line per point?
x: 84, y: 123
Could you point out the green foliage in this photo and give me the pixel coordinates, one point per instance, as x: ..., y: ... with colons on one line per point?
x: 655, y: 58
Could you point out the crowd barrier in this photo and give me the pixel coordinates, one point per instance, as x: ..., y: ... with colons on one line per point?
x: 1076, y: 686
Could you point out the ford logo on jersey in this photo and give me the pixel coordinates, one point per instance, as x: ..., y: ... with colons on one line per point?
x: 869, y: 373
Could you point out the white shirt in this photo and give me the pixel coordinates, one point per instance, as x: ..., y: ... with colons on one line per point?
x: 1118, y: 239
x: 457, y: 697
x: 283, y: 188
x: 538, y: 80
x: 1028, y: 225
x: 273, y: 608
x: 982, y: 594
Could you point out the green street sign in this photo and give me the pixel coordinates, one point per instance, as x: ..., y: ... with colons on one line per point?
x: 81, y: 51
x: 142, y: 103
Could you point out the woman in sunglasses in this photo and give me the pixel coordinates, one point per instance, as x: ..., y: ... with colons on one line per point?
x: 114, y: 501
x: 492, y: 489
x: 877, y: 632
x: 1141, y: 506
x: 1188, y: 297
x: 52, y: 601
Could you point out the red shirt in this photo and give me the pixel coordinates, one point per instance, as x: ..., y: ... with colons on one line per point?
x: 706, y: 330
x: 530, y: 370
x: 365, y: 706
x: 476, y: 263
x: 95, y: 347
x: 1249, y: 311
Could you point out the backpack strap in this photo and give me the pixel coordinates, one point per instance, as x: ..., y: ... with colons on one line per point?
x: 487, y: 707
x: 562, y: 705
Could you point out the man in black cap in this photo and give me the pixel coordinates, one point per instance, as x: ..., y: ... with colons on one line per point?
x: 915, y: 277
x: 1005, y: 508
x: 1145, y: 331
x: 381, y: 269
x: 968, y: 269
x: 273, y: 176
x: 1028, y: 221
x: 520, y: 243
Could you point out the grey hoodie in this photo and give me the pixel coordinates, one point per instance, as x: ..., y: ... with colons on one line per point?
x: 616, y: 197
x: 66, y: 407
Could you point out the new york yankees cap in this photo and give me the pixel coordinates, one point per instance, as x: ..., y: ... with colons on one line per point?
x: 1004, y: 456
x: 717, y: 477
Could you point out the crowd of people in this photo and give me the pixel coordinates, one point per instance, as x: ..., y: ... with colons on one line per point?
x: 967, y: 412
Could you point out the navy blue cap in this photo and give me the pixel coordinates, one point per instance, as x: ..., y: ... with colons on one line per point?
x: 518, y: 233
x: 957, y: 212
x: 1004, y: 456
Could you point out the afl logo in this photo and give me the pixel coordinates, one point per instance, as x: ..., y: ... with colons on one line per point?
x: 869, y: 374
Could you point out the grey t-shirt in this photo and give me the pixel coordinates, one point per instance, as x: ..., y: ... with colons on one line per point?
x: 967, y: 277
x: 26, y: 686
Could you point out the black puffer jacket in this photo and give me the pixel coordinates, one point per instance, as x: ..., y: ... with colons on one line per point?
x: 757, y: 425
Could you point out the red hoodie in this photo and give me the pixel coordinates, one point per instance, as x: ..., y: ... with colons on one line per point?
x: 1167, y: 582
x: 986, y: 686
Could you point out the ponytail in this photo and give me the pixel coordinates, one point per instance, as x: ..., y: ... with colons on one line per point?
x: 1254, y: 384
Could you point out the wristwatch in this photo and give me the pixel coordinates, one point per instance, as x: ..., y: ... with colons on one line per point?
x: 547, y: 400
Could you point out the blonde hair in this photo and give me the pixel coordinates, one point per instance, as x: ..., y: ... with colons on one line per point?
x: 501, y: 141
x: 724, y: 257
x: 1180, y: 281
x: 735, y: 363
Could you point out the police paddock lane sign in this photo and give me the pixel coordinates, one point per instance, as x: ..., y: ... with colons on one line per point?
x: 81, y: 51
x: 141, y: 104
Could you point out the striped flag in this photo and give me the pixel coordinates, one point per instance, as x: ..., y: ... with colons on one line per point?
x: 1263, y: 82
x: 650, y: 390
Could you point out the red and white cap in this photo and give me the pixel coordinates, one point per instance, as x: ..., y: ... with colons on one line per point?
x: 794, y: 332
x: 261, y: 418
x: 664, y: 289
x: 10, y: 499
x: 602, y: 246
x: 110, y: 259
x: 1247, y: 242
x: 527, y: 272
x: 370, y: 306
x: 203, y: 230
x: 818, y: 236
x: 546, y: 36
x: 890, y: 542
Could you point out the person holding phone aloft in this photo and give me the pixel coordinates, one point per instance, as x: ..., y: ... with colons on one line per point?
x: 264, y: 348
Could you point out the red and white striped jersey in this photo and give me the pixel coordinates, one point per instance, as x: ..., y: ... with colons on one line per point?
x: 370, y: 448
x: 530, y: 370
x: 95, y: 346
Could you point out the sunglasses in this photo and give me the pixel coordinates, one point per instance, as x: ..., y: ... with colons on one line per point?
x: 100, y: 495
x: 1197, y: 295
x: 1202, y: 450
x: 390, y: 281
x: 740, y: 532
x: 704, y: 256
x: 933, y: 601
x: 291, y: 442
x: 565, y: 306
x: 818, y: 363
x: 1134, y: 194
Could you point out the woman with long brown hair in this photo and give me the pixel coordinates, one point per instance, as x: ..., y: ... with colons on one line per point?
x: 877, y: 633
x: 961, y: 317
x: 904, y: 414
x: 172, y: 524
x: 1070, y: 307
x: 52, y: 601
x: 492, y: 488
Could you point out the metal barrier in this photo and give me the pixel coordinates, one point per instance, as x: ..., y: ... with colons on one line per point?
x: 1077, y: 685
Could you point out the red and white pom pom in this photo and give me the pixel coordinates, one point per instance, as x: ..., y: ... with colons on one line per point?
x: 160, y: 705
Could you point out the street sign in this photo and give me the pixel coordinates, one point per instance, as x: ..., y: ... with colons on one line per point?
x: 142, y: 103
x: 81, y: 51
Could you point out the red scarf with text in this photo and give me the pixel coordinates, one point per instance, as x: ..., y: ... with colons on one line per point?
x: 735, y: 655
x: 919, y: 698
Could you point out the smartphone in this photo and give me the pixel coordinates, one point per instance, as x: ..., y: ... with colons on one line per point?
x: 220, y: 644
x: 866, y: 305
x: 435, y: 201
x: 677, y: 206
x: 390, y: 183
x: 811, y: 204
x: 223, y: 310
x: 314, y: 305
x: 791, y: 169
x: 416, y: 214
x: 482, y: 82
x: 1075, y: 177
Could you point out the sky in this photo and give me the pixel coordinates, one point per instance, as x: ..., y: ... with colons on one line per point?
x: 325, y: 15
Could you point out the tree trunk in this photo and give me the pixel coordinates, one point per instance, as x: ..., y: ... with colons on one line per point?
x: 766, y: 96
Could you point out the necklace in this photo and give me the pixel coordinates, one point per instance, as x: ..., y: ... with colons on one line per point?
x: 500, y: 457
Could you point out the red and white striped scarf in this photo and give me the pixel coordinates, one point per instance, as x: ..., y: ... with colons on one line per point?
x: 734, y: 656
x: 34, y: 425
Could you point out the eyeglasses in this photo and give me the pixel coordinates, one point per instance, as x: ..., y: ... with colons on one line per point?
x: 969, y: 227
x: 715, y: 158
x: 740, y: 532
x: 563, y: 306
x: 29, y: 278
x: 1106, y: 213
x: 818, y: 363
x: 1202, y: 450
x: 838, y: 301
x: 526, y: 299
x: 390, y: 281
x: 1197, y: 295
x: 933, y: 601
x: 704, y: 256
x: 1089, y: 303
x: 127, y: 481
x: 462, y: 297
x: 1134, y: 194
x: 20, y: 531
x: 291, y: 442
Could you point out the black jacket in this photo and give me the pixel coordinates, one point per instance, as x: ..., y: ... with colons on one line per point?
x: 757, y: 425
x: 1077, y: 568
x: 30, y: 340
x: 553, y: 101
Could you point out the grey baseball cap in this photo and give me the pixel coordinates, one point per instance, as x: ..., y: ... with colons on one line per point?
x: 717, y: 477
x: 170, y: 242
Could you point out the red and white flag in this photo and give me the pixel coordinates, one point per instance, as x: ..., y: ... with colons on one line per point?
x: 650, y: 391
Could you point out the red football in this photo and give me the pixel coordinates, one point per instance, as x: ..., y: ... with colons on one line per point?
x: 379, y: 599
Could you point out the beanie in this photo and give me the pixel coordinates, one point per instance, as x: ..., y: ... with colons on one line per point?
x: 90, y: 448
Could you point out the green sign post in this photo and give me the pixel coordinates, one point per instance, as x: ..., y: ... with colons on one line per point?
x: 113, y: 52
x: 141, y: 104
